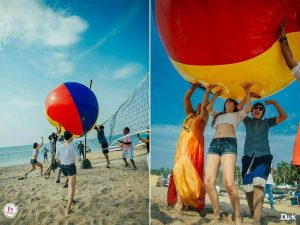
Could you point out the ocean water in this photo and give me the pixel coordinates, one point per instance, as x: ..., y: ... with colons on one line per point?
x: 21, y: 155
x: 18, y: 155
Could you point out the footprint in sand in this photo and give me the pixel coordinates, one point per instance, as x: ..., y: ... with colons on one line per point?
x: 105, y: 191
x: 41, y: 216
x: 34, y: 199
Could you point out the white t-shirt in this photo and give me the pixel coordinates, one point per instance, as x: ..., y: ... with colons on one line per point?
x: 296, y: 72
x: 67, y: 154
x: 234, y: 118
x: 35, y: 152
x: 270, y: 179
x: 127, y: 138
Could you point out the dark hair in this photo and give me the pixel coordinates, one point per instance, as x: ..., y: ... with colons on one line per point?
x: 35, y: 145
x: 259, y: 104
x: 101, y: 127
x: 50, y: 137
x: 224, y: 110
x: 127, y: 128
x: 67, y: 135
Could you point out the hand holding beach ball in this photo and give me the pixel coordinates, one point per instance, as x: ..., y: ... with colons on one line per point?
x: 73, y: 106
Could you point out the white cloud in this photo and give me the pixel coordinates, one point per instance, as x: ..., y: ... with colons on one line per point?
x: 19, y: 101
x: 54, y: 64
x: 34, y: 23
x: 59, y: 64
x: 127, y: 71
x: 165, y: 137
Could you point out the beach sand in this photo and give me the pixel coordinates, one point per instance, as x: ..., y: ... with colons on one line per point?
x: 161, y: 213
x: 119, y: 195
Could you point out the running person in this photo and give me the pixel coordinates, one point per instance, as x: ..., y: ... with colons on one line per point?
x: 33, y: 160
x: 104, y: 144
x: 66, y: 155
x: 223, y: 150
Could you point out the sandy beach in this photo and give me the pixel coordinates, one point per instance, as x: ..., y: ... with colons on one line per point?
x: 161, y: 213
x: 119, y: 195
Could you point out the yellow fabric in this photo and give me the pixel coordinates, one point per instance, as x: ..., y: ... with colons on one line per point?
x: 189, y: 162
x: 267, y: 71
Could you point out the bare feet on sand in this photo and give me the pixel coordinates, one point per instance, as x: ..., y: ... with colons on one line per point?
x: 179, y: 206
x: 238, y: 220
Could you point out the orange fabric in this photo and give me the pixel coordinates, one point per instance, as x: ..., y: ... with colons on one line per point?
x: 187, y: 176
x: 296, y: 153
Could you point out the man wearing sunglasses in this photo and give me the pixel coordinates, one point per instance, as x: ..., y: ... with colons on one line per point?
x: 257, y: 159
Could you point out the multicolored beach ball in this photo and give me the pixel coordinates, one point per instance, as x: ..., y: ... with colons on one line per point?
x: 74, y: 106
x: 230, y: 42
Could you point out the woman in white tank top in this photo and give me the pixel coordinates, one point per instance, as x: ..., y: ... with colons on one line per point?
x: 223, y: 150
x: 33, y: 160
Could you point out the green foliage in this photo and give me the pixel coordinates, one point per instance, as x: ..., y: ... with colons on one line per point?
x: 162, y: 171
x: 285, y: 173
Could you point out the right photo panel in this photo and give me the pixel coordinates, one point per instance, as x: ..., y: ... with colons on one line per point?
x: 225, y: 112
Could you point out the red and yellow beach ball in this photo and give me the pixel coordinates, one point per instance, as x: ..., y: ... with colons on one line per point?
x: 228, y: 42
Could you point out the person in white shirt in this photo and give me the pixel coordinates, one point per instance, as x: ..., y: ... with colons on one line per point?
x: 126, y: 145
x: 223, y: 150
x: 33, y: 161
x: 293, y: 65
x: 269, y: 189
x: 66, y: 155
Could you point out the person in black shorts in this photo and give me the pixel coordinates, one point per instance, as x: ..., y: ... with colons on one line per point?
x: 80, y: 147
x: 104, y: 144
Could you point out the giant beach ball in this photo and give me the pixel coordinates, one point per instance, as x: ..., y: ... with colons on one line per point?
x: 74, y: 106
x: 228, y: 42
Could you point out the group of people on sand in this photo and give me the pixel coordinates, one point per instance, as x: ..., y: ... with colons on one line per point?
x: 64, y: 156
x: 188, y: 184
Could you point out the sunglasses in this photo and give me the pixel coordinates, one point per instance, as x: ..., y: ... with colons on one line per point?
x: 259, y: 108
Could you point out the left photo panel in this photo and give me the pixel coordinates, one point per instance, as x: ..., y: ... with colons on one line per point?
x: 74, y: 101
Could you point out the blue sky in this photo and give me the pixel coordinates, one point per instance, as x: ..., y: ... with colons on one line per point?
x: 167, y: 113
x: 46, y: 43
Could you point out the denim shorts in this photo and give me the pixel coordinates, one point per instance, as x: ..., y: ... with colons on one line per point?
x: 33, y: 161
x: 222, y: 146
x: 68, y: 170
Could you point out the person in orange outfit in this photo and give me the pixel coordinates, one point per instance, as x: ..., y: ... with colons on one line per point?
x: 186, y: 182
x: 296, y: 152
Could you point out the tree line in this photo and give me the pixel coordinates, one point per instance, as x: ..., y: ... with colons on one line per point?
x: 284, y: 173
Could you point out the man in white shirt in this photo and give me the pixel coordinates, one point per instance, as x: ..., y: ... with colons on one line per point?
x: 126, y: 145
